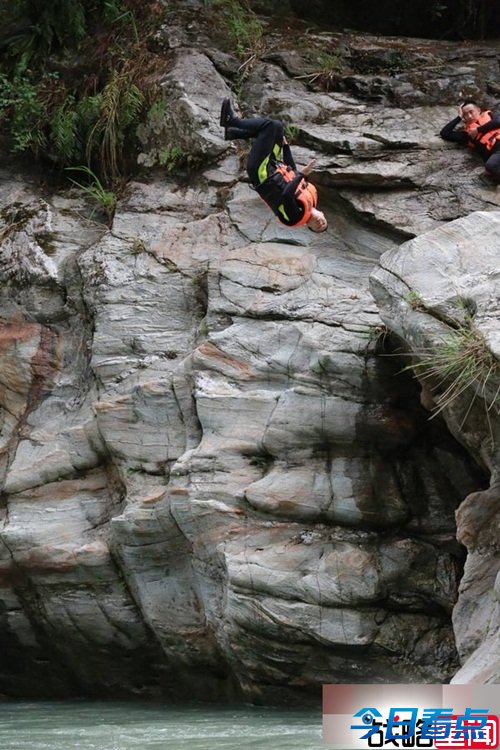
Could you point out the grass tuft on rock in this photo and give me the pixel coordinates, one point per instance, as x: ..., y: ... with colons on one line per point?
x: 461, y: 363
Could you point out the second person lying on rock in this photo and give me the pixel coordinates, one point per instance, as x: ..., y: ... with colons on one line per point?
x: 481, y: 132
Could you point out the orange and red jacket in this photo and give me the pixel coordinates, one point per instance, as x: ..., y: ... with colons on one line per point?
x: 289, y: 195
x: 485, y: 140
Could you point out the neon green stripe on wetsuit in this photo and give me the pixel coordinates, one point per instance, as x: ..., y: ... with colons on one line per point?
x: 263, y: 174
x: 262, y: 171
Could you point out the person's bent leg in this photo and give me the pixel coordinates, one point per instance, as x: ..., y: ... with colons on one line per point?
x: 237, y: 134
x: 268, y: 136
x: 268, y: 143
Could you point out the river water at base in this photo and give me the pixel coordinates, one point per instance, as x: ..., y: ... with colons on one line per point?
x: 144, y: 726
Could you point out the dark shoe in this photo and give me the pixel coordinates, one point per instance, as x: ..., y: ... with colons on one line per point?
x: 236, y: 134
x: 226, y: 113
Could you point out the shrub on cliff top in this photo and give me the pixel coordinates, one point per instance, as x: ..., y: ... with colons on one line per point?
x: 74, y: 79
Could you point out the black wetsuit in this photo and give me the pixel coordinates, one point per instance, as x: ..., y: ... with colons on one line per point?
x: 491, y: 157
x: 267, y: 152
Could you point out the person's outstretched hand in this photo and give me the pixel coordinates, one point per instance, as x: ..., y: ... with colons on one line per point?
x: 309, y: 167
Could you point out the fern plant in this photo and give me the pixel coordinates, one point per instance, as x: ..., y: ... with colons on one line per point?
x: 64, y: 131
x: 119, y: 105
x: 41, y: 27
x: 172, y: 157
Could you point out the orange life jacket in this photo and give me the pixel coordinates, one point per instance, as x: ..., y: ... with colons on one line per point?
x: 489, y: 139
x: 304, y: 192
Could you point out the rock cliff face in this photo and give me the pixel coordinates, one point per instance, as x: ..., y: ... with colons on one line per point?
x: 213, y: 482
x: 454, y: 324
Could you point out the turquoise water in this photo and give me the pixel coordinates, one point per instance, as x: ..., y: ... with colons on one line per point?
x: 141, y: 726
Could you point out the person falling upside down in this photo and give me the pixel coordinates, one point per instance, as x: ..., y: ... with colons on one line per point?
x: 272, y: 170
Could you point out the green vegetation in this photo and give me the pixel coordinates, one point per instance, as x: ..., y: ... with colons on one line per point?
x: 138, y: 246
x: 398, y: 62
x: 461, y: 362
x: 327, y: 67
x: 414, y: 300
x: 172, y: 158
x: 74, y: 80
x: 241, y: 31
x: 292, y: 133
x: 203, y: 329
x: 93, y: 188
x: 22, y: 108
x: 117, y: 110
x: 37, y: 29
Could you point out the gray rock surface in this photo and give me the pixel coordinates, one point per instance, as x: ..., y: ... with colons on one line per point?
x: 211, y: 481
x: 439, y: 293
